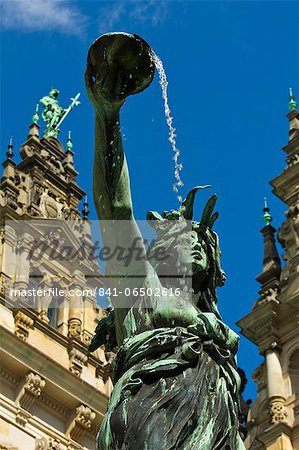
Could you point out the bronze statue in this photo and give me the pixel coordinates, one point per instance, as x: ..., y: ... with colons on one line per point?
x: 53, y: 114
x: 176, y: 384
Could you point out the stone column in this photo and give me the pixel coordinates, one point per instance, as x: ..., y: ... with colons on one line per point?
x: 63, y: 314
x: 44, y: 300
x: 275, y: 385
x: 8, y: 259
x: 23, y: 263
x: 75, y: 310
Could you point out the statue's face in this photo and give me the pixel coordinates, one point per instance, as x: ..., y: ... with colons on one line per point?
x: 199, y: 249
x: 186, y: 253
x: 189, y: 249
x: 192, y: 252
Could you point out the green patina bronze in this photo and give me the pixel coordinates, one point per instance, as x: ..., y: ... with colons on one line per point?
x: 69, y: 144
x: 35, y: 117
x: 53, y: 114
x: 292, y: 102
x: 267, y: 218
x: 175, y: 378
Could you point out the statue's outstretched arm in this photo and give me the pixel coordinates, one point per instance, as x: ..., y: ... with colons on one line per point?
x: 111, y: 184
x: 118, y: 65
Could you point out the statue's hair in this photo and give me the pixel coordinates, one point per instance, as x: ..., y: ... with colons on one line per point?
x: 186, y: 210
x: 169, y: 225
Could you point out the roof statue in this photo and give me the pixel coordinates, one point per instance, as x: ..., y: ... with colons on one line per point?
x: 53, y: 114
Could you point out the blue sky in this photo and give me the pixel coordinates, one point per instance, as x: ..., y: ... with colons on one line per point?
x: 229, y: 66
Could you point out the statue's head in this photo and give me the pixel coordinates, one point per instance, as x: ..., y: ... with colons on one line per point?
x: 54, y: 93
x: 189, y: 245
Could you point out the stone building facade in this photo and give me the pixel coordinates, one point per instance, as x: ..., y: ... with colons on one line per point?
x: 53, y: 392
x: 273, y: 323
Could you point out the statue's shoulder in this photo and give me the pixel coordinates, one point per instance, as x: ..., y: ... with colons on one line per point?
x: 46, y: 100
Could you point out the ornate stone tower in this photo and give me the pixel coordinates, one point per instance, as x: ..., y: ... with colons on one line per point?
x: 273, y: 323
x: 53, y: 392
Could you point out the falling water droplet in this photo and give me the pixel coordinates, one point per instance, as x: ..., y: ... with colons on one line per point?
x: 169, y: 119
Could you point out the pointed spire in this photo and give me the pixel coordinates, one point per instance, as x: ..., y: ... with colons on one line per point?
x: 34, y: 126
x: 35, y: 117
x: 69, y: 144
x: 269, y: 278
x: 9, y: 164
x: 267, y: 218
x: 85, y: 210
x: 293, y: 116
x: 292, y: 102
x: 68, y: 160
x: 10, y: 152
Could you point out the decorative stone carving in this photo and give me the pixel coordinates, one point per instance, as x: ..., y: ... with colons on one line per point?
x: 41, y: 444
x: 2, y: 283
x: 49, y: 205
x: 20, y: 179
x: 54, y: 405
x: 37, y: 190
x: 30, y: 390
x: 81, y: 422
x: 43, y: 315
x: 48, y: 444
x: 23, y: 324
x: 86, y: 337
x: 74, y: 328
x: 292, y: 160
x: 65, y: 211
x: 11, y: 201
x: 259, y: 377
x: 8, y: 376
x: 55, y: 164
x: 24, y: 243
x: 55, y: 444
x: 278, y: 411
x: 7, y: 447
x: 22, y: 417
x: 53, y: 234
x: 288, y: 236
x: 77, y: 361
x: 270, y: 295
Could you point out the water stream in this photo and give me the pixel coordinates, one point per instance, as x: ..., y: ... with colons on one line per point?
x: 169, y: 119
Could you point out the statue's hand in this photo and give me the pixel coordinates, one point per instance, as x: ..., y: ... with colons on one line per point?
x: 118, y: 65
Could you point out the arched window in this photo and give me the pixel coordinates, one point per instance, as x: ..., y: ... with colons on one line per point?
x: 55, y: 308
x: 52, y: 312
x: 34, y: 283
